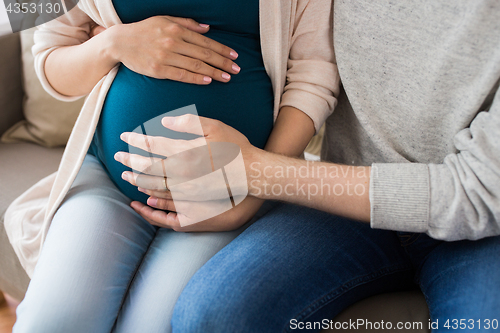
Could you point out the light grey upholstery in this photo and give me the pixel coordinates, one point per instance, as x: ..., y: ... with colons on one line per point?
x: 21, y: 166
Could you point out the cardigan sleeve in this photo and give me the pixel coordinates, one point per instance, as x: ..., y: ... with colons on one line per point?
x: 312, y: 79
x: 72, y: 28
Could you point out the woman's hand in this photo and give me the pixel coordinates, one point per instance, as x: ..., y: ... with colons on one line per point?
x: 229, y: 220
x: 166, y: 47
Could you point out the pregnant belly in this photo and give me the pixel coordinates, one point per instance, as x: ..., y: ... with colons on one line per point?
x: 245, y: 103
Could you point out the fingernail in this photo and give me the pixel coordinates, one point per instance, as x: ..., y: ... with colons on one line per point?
x: 152, y: 201
x: 233, y: 54
x: 118, y: 156
x: 226, y: 76
x: 204, y: 25
x: 124, y: 176
x: 207, y: 79
x: 168, y: 121
x: 124, y: 136
x: 140, y: 189
x: 236, y: 68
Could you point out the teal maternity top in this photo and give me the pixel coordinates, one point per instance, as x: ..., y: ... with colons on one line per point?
x: 245, y: 103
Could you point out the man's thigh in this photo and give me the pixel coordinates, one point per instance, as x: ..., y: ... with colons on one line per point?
x: 461, y: 282
x: 294, y: 263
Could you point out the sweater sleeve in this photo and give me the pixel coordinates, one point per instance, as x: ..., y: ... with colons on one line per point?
x: 312, y: 79
x: 458, y: 199
x: 69, y: 29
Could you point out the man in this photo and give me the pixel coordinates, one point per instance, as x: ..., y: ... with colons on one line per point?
x: 413, y: 148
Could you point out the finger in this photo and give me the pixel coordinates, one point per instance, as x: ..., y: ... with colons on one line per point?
x: 182, y: 75
x: 190, y: 24
x: 190, y: 123
x: 160, y: 203
x: 159, y: 218
x: 210, y: 57
x: 158, y: 194
x: 145, y: 181
x: 97, y: 30
x: 208, y: 43
x: 192, y: 63
x: 148, y: 165
x: 156, y: 217
x: 160, y: 145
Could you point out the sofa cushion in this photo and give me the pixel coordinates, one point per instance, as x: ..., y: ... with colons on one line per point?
x: 48, y: 121
x: 11, y: 91
x: 21, y: 166
x: 408, y: 308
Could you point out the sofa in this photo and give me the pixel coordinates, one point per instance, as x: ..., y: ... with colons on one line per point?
x: 23, y: 164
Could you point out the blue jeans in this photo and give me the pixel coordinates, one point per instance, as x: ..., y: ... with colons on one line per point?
x: 103, y: 268
x: 299, y: 263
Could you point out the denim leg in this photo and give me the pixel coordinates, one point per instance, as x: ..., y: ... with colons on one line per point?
x: 461, y: 280
x: 92, y: 250
x: 172, y: 259
x: 294, y: 263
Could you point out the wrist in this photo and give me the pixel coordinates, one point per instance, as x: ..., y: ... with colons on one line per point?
x: 256, y: 163
x: 110, y: 39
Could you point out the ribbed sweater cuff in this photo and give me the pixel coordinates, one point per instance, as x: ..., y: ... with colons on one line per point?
x: 399, y: 196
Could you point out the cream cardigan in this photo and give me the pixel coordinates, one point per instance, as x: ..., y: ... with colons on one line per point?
x: 297, y: 49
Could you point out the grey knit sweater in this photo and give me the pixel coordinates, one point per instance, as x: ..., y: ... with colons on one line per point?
x: 420, y: 103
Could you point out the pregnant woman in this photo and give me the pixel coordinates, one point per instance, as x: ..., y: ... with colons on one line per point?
x: 265, y: 68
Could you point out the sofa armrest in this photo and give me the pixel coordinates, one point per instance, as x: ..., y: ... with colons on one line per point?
x: 11, y: 86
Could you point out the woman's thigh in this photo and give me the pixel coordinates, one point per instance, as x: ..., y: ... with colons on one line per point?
x: 93, y: 248
x: 461, y: 282
x: 293, y: 264
x: 172, y: 259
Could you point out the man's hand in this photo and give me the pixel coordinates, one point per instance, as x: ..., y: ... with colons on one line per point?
x: 165, y: 179
x: 217, y: 146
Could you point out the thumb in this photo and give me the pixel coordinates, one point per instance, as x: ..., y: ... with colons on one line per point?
x: 96, y: 30
x: 190, y: 24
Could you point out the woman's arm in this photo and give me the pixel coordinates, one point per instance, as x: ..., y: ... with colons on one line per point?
x: 312, y: 78
x: 292, y: 132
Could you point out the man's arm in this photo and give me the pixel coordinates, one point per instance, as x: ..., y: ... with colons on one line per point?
x: 292, y: 131
x: 337, y: 189
x: 457, y: 199
x: 461, y: 196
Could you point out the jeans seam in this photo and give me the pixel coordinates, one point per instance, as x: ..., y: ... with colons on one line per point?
x: 131, y: 281
x: 332, y: 295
